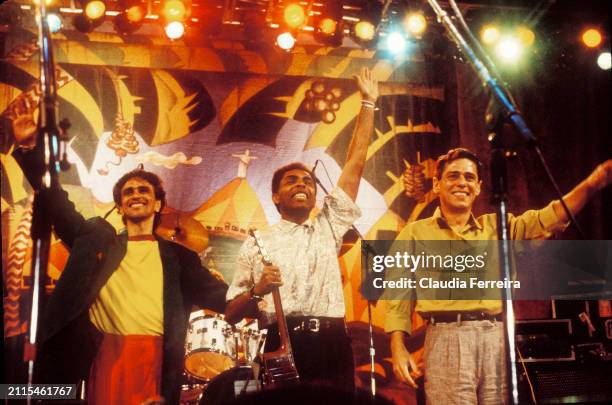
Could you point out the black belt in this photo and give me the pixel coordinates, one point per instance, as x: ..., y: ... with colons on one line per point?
x: 313, y: 324
x: 458, y: 316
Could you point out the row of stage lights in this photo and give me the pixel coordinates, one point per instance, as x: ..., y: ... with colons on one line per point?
x: 127, y: 19
x: 510, y: 45
x: 326, y: 25
x: 328, y: 29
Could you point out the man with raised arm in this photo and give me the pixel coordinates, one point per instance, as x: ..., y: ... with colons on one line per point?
x: 119, y: 312
x: 464, y: 351
x: 304, y: 253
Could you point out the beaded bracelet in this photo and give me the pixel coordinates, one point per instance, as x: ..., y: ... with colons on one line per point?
x: 368, y: 104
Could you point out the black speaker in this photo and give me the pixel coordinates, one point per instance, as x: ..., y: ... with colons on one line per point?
x: 567, y: 383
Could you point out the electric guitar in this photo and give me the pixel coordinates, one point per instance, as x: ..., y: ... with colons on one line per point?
x: 279, y: 366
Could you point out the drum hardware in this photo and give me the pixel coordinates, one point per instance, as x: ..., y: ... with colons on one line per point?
x: 213, y: 346
x: 208, y: 347
x: 219, y: 359
x: 191, y: 390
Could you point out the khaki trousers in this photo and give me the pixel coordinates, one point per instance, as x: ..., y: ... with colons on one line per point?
x: 465, y: 364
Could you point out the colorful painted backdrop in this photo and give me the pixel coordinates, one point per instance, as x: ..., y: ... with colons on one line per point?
x: 215, y: 122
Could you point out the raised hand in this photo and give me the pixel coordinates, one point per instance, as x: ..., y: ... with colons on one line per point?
x: 22, y: 121
x: 601, y: 177
x: 367, y: 86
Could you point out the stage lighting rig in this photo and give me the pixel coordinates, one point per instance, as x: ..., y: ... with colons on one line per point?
x: 415, y: 24
x: 294, y: 16
x: 591, y: 38
x: 365, y: 31
x: 285, y: 41
x: 604, y: 61
x: 91, y: 17
x: 131, y: 16
x: 54, y: 21
x: 328, y: 24
x: 174, y: 15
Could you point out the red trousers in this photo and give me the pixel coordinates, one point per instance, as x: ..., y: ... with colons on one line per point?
x: 127, y: 370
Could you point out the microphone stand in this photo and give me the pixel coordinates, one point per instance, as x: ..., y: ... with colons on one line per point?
x: 366, y: 249
x: 504, y: 110
x: 51, y: 144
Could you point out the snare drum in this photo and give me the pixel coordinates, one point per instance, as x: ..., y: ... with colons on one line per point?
x: 209, y: 345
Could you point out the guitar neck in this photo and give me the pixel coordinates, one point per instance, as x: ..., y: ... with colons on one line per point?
x: 282, y: 322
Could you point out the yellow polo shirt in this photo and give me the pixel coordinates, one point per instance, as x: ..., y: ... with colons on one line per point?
x: 131, y: 301
x: 533, y: 224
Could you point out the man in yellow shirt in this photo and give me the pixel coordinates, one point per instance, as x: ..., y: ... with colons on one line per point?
x: 119, y: 312
x: 464, y: 342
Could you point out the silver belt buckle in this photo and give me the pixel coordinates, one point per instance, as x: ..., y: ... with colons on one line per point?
x: 313, y: 325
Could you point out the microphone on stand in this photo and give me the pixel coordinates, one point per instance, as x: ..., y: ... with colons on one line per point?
x: 315, y: 167
x: 316, y: 179
x: 366, y: 250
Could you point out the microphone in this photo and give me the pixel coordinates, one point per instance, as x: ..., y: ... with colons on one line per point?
x: 315, y: 167
x: 109, y: 211
x: 316, y: 179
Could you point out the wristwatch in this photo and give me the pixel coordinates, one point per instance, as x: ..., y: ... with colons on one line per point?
x: 254, y: 296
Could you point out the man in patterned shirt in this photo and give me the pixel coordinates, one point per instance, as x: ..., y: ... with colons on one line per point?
x: 304, y: 252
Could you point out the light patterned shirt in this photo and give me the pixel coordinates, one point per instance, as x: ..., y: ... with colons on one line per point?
x: 307, y: 257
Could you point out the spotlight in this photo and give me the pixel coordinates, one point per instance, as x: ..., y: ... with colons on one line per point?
x: 174, y: 10
x: 525, y: 36
x: 123, y: 25
x: 365, y: 30
x: 509, y: 50
x: 591, y: 38
x: 135, y: 13
x: 94, y: 9
x: 415, y: 24
x: 133, y: 10
x: 130, y: 17
x: 54, y: 22
x: 329, y: 27
x: 92, y: 16
x: 396, y: 42
x: 175, y: 30
x: 604, y: 61
x: 489, y: 34
x: 294, y: 15
x: 285, y: 41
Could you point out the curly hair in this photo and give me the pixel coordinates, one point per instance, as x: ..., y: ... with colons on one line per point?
x: 280, y: 172
x: 150, y: 178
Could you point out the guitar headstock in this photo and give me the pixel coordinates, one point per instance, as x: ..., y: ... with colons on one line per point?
x: 265, y: 257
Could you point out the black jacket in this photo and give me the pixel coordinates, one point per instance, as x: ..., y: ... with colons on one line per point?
x: 68, y: 341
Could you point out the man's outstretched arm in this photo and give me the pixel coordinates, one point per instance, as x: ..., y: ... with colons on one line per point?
x: 358, y: 149
x: 599, y: 179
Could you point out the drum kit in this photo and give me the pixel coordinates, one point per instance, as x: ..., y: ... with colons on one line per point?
x: 219, y: 358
